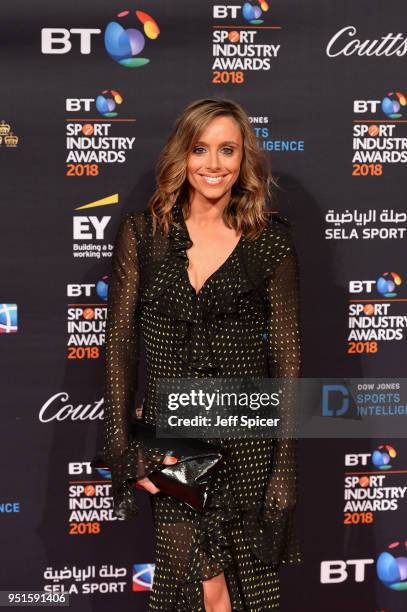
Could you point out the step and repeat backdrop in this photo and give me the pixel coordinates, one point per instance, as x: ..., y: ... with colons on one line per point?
x: 90, y: 92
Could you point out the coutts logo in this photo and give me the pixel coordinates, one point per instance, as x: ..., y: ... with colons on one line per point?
x: 58, y: 408
x: 346, y: 43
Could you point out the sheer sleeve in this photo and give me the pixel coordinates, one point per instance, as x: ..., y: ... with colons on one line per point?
x: 284, y: 359
x: 127, y: 459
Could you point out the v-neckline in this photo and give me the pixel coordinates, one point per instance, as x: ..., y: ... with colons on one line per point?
x: 222, y: 265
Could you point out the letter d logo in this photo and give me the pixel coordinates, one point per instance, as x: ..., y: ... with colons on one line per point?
x: 327, y: 391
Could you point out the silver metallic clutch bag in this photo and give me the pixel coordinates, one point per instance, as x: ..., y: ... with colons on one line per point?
x: 188, y: 479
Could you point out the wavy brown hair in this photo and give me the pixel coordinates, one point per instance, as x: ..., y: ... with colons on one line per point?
x: 246, y: 211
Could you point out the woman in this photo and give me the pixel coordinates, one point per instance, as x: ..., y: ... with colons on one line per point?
x: 209, y: 280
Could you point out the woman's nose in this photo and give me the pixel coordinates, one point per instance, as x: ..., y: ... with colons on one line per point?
x: 212, y: 162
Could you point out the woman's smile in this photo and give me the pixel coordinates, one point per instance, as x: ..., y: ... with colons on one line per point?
x: 211, y: 179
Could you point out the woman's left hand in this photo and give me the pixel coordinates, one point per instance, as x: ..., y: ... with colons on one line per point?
x: 147, y: 484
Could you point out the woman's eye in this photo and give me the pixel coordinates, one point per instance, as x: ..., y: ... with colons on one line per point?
x: 227, y: 150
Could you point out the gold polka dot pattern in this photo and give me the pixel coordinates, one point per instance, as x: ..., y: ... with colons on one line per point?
x: 243, y: 323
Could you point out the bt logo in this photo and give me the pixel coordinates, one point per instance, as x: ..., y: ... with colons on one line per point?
x: 354, y: 459
x: 390, y: 105
x: 87, y: 290
x: 123, y: 45
x: 392, y: 570
x: 332, y: 572
x: 385, y: 285
x: 251, y: 11
x: 107, y: 102
x: 78, y: 468
x: 382, y: 456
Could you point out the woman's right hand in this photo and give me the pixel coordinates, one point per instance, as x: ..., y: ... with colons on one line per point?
x: 145, y: 483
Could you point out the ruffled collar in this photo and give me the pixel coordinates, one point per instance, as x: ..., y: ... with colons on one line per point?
x: 180, y: 242
x: 179, y: 238
x: 168, y: 289
x: 243, y: 271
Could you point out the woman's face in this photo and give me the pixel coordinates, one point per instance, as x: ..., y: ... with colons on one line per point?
x: 213, y: 165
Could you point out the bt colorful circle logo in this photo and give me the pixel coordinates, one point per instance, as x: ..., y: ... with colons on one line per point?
x: 125, y: 45
x: 252, y: 13
x: 102, y: 287
x: 392, y: 570
x: 107, y: 101
x: 104, y: 472
x: 392, y: 103
x: 387, y: 283
x: 382, y: 455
